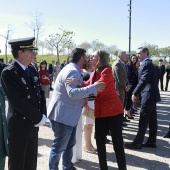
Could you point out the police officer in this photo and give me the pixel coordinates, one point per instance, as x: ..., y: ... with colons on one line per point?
x: 167, y: 76
x: 160, y: 73
x: 27, y: 106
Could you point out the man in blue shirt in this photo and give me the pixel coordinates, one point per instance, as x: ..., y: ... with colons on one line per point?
x: 65, y: 108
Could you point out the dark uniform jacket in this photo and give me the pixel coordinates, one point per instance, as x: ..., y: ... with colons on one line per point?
x: 147, y: 85
x: 160, y: 71
x: 3, y: 127
x: 168, y: 70
x: 26, y: 100
x: 50, y: 69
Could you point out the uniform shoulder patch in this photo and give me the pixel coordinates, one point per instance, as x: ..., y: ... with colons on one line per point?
x: 10, y: 67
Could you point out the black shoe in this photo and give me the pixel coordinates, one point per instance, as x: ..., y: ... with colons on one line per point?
x: 167, y: 135
x: 107, y: 141
x: 74, y: 168
x: 130, y: 117
x: 51, y: 89
x: 162, y: 89
x: 125, y: 120
x: 133, y: 146
x: 150, y: 145
x: 124, y: 124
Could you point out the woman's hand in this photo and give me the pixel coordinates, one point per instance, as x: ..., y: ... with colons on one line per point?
x: 45, y: 77
x: 73, y: 81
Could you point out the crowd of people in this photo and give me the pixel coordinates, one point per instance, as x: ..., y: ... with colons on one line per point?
x: 112, y: 93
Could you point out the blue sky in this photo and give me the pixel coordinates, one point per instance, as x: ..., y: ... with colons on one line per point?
x: 105, y: 20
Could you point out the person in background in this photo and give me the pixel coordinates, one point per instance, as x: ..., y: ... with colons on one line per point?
x: 88, y: 122
x: 148, y: 90
x: 57, y: 69
x: 34, y: 61
x: 63, y: 64
x: 108, y: 110
x: 45, y: 78
x: 121, y: 78
x: 27, y: 106
x: 160, y: 73
x: 167, y: 76
x: 168, y: 133
x: 133, y: 79
x: 65, y: 108
x: 3, y: 125
x: 51, y: 71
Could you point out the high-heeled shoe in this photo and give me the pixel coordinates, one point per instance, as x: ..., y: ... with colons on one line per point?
x: 129, y: 116
x: 89, y: 151
x: 133, y: 112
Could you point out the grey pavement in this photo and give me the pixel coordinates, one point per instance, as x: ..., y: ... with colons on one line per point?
x: 144, y: 159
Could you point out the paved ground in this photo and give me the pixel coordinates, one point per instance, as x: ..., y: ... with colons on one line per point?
x: 145, y: 159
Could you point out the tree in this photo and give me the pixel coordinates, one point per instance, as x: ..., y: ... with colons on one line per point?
x: 85, y: 45
x: 153, y: 50
x: 6, y: 36
x: 165, y: 52
x: 96, y: 45
x: 70, y: 46
x: 112, y: 49
x: 42, y: 45
x: 57, y: 40
x: 36, y: 24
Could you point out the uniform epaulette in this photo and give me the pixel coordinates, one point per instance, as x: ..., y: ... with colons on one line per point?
x: 10, y: 67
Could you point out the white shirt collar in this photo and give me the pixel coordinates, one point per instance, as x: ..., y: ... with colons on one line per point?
x: 23, y: 67
x: 144, y: 60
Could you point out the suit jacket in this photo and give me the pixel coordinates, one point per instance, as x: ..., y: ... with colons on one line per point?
x: 51, y: 69
x: 147, y: 85
x: 160, y: 71
x: 107, y: 102
x: 120, y: 77
x: 168, y: 71
x: 3, y: 127
x: 67, y: 100
x: 26, y: 100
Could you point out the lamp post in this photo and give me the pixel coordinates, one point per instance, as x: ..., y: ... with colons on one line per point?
x: 130, y: 6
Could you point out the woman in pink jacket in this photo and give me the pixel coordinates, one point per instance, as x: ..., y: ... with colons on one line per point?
x: 108, y: 111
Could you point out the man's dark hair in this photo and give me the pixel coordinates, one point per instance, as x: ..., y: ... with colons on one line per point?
x: 15, y: 53
x: 144, y: 49
x: 76, y: 54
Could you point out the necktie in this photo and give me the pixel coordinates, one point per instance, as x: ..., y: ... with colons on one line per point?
x: 27, y: 72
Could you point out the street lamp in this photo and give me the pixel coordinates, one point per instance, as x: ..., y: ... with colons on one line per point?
x: 130, y: 6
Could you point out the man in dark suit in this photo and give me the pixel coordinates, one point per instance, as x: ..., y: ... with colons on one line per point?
x: 27, y: 106
x: 148, y: 89
x: 160, y: 73
x: 167, y: 76
x: 51, y: 71
x: 63, y: 64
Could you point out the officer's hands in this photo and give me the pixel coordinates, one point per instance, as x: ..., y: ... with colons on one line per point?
x: 41, y: 123
x: 134, y: 98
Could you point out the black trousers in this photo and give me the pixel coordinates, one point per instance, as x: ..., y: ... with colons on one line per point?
x: 23, y: 152
x: 167, y: 81
x: 161, y: 81
x: 148, y: 116
x: 114, y: 123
